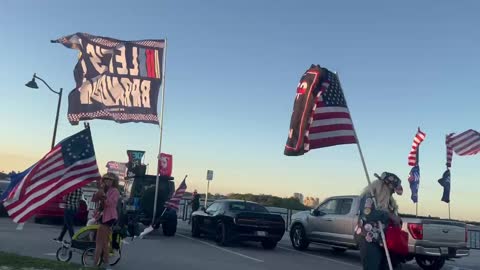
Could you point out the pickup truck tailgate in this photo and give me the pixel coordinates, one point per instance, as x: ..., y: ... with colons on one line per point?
x: 445, y: 232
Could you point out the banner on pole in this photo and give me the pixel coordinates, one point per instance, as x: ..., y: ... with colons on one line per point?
x: 118, y: 168
x: 134, y: 165
x: 320, y: 115
x: 115, y: 80
x: 165, y: 165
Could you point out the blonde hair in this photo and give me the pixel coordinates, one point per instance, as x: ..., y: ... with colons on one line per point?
x: 383, y: 195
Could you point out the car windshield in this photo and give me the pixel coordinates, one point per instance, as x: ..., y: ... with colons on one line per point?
x: 247, y: 206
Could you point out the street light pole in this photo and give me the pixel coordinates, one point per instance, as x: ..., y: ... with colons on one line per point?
x: 33, y: 84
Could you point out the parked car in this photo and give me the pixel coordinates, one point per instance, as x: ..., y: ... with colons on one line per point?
x: 431, y: 241
x: 3, y: 186
x: 55, y: 211
x: 235, y: 220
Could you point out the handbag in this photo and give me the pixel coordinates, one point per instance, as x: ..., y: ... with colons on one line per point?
x: 397, y: 240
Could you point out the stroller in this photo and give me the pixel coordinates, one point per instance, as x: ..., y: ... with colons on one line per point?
x: 83, y: 242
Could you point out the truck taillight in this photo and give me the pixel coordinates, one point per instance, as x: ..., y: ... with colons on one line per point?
x: 416, y: 230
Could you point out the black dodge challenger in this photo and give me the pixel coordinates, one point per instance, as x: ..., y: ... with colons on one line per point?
x: 236, y: 220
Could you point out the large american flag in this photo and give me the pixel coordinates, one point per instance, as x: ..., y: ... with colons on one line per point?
x: 331, y: 123
x: 70, y: 165
x: 465, y: 143
x: 174, y: 202
x: 412, y: 157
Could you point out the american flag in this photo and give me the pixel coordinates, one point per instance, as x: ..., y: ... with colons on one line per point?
x: 412, y: 157
x: 70, y: 165
x: 331, y: 123
x: 466, y: 143
x: 449, y: 150
x: 174, y: 202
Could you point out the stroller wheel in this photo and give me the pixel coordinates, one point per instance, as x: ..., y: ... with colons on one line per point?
x: 88, y: 257
x: 64, y: 254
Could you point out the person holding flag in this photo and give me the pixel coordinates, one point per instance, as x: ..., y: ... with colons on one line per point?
x: 367, y: 231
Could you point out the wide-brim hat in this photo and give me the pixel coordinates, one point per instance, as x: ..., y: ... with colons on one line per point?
x: 392, y: 180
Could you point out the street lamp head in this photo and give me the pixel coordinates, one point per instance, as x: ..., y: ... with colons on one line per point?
x: 32, y: 83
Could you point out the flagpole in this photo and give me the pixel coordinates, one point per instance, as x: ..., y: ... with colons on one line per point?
x: 418, y: 187
x: 382, y: 234
x: 161, y: 130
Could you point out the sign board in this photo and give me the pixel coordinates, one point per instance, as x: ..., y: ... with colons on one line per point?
x: 209, y: 175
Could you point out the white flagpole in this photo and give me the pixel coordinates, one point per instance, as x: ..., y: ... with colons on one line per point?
x: 417, y: 163
x: 161, y: 129
x: 382, y: 234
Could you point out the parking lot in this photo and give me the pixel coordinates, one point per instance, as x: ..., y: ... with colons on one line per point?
x: 184, y: 252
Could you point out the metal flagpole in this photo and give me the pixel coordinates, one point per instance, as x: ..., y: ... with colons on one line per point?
x: 382, y: 233
x: 161, y: 130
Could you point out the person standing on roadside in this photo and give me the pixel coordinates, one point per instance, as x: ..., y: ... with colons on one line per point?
x: 71, y: 208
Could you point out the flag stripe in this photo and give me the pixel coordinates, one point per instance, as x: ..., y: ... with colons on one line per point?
x: 331, y: 134
x: 331, y: 128
x: 328, y: 122
x: 332, y: 141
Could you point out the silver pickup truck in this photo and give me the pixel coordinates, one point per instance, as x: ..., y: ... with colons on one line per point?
x: 431, y: 241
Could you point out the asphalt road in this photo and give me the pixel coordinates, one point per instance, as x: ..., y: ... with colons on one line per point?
x: 184, y: 252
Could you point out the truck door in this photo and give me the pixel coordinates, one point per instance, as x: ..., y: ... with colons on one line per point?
x: 322, y: 221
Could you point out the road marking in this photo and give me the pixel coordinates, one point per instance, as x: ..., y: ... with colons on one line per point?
x: 50, y: 254
x: 223, y: 249
x: 320, y: 256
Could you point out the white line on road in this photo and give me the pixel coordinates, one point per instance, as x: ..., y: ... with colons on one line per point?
x: 320, y: 257
x: 50, y: 254
x: 222, y: 249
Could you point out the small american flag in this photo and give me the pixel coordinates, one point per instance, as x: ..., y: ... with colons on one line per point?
x: 331, y: 123
x: 449, y: 150
x: 174, y: 202
x: 466, y: 143
x: 70, y: 165
x: 412, y: 157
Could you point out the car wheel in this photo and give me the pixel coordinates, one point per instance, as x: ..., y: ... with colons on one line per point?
x: 221, y: 236
x: 269, y: 244
x: 195, y: 228
x: 169, y: 228
x: 299, y: 237
x: 430, y: 263
x: 337, y: 250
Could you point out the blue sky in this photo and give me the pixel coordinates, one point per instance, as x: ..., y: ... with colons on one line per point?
x: 232, y: 71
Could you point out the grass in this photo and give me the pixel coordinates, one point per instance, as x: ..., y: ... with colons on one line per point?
x: 18, y: 262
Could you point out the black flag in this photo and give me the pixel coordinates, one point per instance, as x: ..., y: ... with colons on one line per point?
x: 445, y: 182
